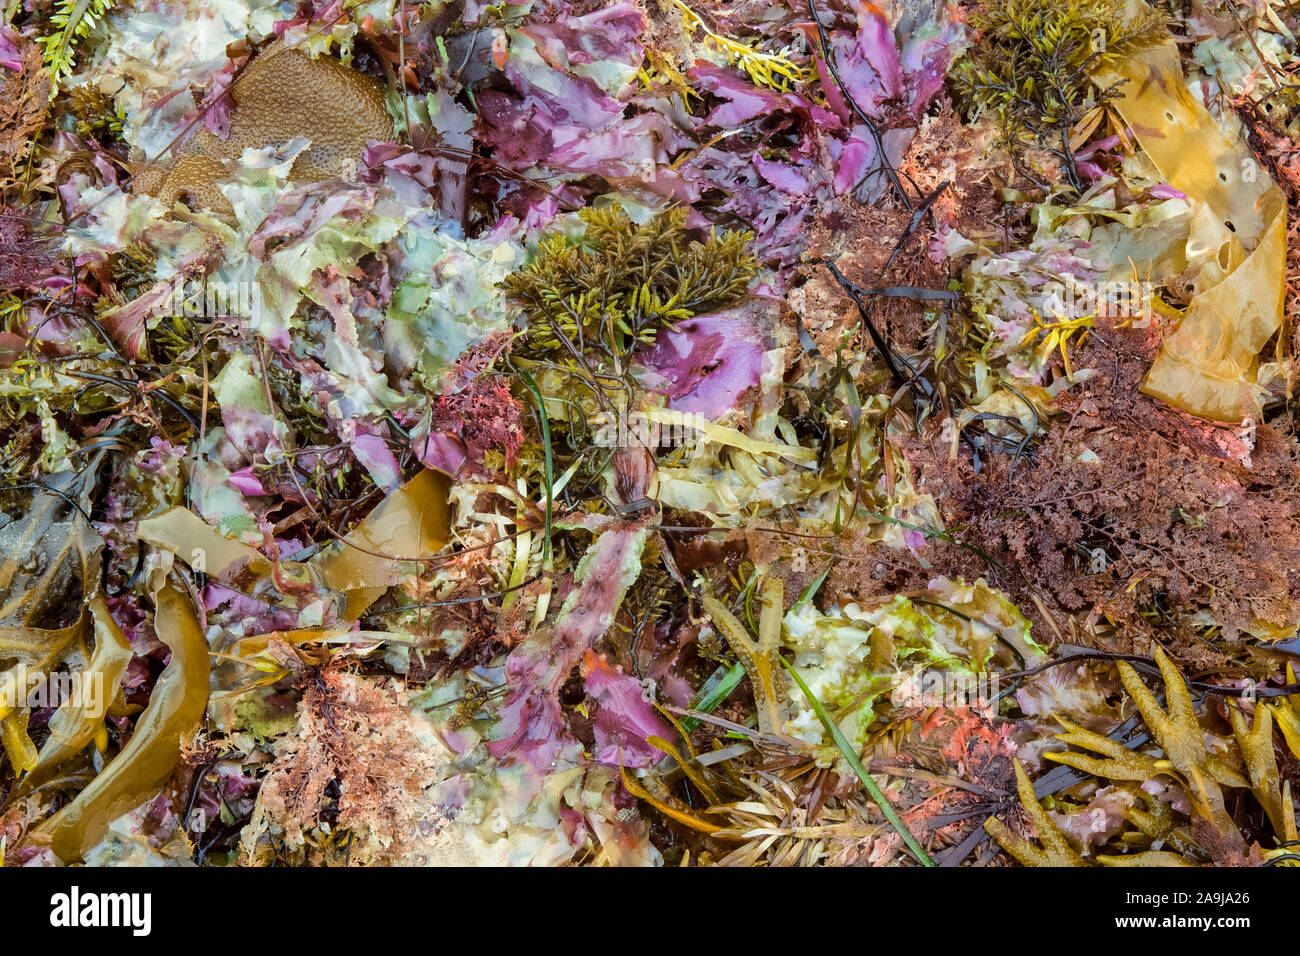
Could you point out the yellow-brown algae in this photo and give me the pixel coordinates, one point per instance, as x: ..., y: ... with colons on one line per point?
x: 282, y: 94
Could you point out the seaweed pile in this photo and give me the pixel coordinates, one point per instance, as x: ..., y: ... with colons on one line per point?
x: 649, y: 432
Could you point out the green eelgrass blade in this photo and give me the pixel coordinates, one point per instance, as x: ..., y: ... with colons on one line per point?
x: 715, y: 695
x: 811, y: 590
x: 546, y: 447
x: 847, y: 751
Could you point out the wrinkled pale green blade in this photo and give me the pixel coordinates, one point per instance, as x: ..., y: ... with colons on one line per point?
x: 847, y: 751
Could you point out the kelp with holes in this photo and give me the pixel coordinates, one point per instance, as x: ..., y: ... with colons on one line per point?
x: 1236, y: 246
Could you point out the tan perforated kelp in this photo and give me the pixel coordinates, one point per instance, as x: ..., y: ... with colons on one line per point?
x: 1236, y: 247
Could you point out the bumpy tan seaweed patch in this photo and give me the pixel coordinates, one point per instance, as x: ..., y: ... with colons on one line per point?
x: 284, y: 93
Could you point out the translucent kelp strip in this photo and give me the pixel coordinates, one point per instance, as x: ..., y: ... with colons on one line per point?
x: 202, y: 546
x: 410, y: 525
x: 1236, y: 248
x: 37, y: 647
x: 81, y: 719
x: 175, y: 708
